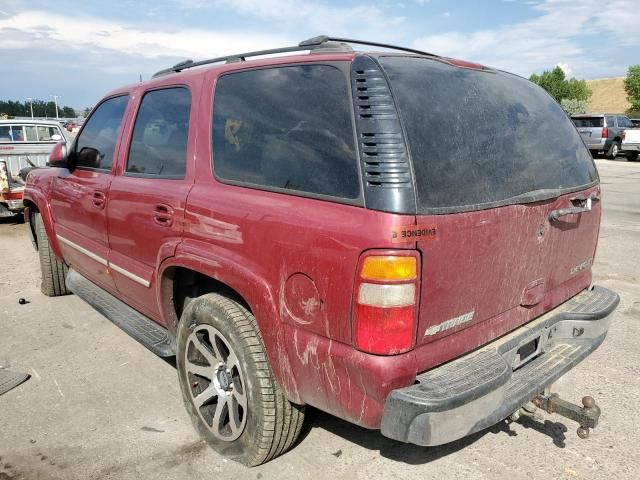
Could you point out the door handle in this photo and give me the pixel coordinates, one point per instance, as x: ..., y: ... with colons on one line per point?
x: 163, y: 215
x: 582, y: 204
x: 98, y: 199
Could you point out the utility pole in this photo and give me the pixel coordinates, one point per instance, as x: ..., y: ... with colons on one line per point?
x: 55, y: 99
x: 30, y: 100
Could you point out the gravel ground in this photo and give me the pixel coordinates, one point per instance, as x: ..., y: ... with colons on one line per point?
x: 98, y: 405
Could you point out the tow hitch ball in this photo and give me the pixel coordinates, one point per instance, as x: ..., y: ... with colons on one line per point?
x: 586, y: 416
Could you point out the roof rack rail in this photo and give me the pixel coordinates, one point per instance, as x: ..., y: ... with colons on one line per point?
x: 320, y: 43
x: 323, y: 39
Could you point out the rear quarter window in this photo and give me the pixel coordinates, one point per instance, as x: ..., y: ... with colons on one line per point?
x: 286, y: 128
x: 482, y: 138
x: 5, y: 133
x: 45, y: 133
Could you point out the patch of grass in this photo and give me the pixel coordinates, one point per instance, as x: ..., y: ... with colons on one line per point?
x: 608, y: 95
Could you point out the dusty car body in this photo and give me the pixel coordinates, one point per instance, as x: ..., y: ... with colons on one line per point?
x: 295, y: 225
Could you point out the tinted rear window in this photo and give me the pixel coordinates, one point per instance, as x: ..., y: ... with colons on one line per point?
x: 479, y: 138
x: 159, y: 142
x: 286, y: 128
x: 588, y: 122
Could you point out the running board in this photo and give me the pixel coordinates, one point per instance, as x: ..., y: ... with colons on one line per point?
x: 142, y: 328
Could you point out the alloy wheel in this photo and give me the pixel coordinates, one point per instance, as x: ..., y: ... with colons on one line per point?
x: 216, y: 383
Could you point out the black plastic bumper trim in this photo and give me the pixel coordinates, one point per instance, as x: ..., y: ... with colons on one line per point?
x: 481, y: 388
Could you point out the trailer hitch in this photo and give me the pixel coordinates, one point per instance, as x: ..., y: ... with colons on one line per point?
x: 586, y: 416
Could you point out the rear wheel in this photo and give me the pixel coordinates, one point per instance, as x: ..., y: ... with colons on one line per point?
x: 613, y: 151
x: 54, y: 271
x: 632, y: 157
x: 227, y: 385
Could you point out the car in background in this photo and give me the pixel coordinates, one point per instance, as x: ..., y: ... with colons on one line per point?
x: 635, y: 122
x: 24, y: 144
x: 631, y: 144
x: 602, y: 132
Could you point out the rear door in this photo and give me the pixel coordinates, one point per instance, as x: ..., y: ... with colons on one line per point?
x: 79, y: 196
x: 147, y: 198
x: 493, y: 156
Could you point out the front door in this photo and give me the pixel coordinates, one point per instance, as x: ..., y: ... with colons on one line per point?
x: 79, y: 195
x: 147, y: 199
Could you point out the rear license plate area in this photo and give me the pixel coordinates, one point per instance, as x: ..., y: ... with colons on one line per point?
x: 527, y: 351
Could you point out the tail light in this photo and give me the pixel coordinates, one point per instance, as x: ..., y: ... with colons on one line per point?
x: 386, y: 302
x: 12, y: 195
x: 605, y: 132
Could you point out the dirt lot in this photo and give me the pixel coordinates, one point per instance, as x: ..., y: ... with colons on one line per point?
x: 98, y: 405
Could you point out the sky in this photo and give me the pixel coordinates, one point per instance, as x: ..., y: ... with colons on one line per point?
x: 82, y: 49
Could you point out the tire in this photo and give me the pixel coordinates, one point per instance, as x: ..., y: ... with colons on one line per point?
x: 632, y: 157
x: 54, y: 271
x: 613, y: 151
x: 221, y: 357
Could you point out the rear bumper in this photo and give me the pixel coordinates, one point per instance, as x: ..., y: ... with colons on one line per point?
x: 15, y: 205
x: 630, y: 147
x: 599, y: 145
x: 478, y: 390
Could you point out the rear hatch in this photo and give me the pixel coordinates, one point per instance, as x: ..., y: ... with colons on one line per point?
x: 493, y: 155
x: 590, y: 127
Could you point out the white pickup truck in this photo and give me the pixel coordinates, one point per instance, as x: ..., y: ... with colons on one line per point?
x: 631, y: 143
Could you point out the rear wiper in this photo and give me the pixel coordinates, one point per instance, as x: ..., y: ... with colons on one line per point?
x: 581, y: 204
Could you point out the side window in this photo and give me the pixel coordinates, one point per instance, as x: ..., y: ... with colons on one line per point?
x: 5, y: 133
x: 17, y: 133
x: 96, y: 144
x: 159, y: 142
x: 610, y: 121
x: 45, y: 133
x: 30, y: 133
x: 623, y: 122
x: 287, y: 127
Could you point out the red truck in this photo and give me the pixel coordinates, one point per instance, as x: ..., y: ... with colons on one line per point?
x: 400, y: 239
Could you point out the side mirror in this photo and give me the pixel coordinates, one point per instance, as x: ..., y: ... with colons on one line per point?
x: 58, y: 156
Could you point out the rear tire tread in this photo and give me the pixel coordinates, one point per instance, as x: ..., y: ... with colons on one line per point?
x: 282, y: 421
x: 54, y: 271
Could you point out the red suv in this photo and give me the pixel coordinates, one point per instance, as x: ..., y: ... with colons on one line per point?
x: 400, y: 239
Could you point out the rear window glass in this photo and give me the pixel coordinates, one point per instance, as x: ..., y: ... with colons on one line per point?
x: 623, y: 122
x: 588, y: 122
x: 30, y: 134
x: 159, y: 143
x: 5, y: 133
x: 45, y: 133
x: 481, y: 138
x: 287, y: 128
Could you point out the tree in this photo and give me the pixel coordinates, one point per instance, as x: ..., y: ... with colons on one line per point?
x: 68, y: 112
x: 559, y: 87
x: 632, y: 87
x: 40, y: 109
x: 574, y: 106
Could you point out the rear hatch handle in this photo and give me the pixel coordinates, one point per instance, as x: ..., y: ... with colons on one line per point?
x: 581, y: 204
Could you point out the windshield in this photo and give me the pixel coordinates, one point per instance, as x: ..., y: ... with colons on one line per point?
x: 588, y: 122
x: 483, y: 138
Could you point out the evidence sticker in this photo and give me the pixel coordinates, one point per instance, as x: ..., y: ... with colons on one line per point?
x: 413, y: 233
